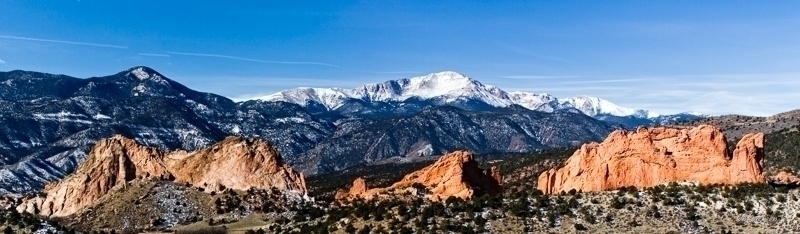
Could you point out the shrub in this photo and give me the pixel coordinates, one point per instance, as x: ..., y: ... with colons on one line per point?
x: 580, y: 227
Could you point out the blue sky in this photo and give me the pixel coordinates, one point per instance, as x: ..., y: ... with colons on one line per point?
x: 714, y: 57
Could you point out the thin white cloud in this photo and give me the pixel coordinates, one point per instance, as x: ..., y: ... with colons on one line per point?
x: 740, y: 84
x: 153, y: 55
x: 63, y: 42
x: 254, y: 60
x: 536, y: 77
x: 603, y: 81
x: 2, y: 62
x: 571, y: 89
x: 390, y: 72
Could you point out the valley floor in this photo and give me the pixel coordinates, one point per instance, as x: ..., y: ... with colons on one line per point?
x: 666, y: 209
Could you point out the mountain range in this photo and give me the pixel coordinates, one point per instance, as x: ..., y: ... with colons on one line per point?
x: 450, y: 88
x: 51, y: 121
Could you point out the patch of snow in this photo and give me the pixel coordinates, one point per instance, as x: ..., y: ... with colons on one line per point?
x: 24, y: 144
x: 199, y: 107
x: 538, y: 102
x: 101, y: 116
x: 425, y: 150
x: 68, y: 159
x: 63, y: 117
x: 290, y: 120
x: 140, y: 73
x: 140, y: 88
x: 46, y: 228
x: 695, y: 113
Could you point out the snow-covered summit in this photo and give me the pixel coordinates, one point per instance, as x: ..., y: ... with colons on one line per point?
x: 594, y: 106
x: 446, y: 83
x: 451, y: 87
x: 535, y: 101
x: 447, y: 86
x: 142, y: 73
x: 331, y: 98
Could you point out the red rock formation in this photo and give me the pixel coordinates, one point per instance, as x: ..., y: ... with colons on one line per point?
x: 649, y: 157
x: 785, y: 178
x: 233, y: 163
x: 111, y: 164
x: 358, y: 189
x: 455, y: 174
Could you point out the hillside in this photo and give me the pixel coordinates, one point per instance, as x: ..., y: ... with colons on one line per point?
x: 52, y: 121
x: 735, y: 126
x: 783, y: 150
x: 672, y: 208
x: 676, y: 208
x: 438, y: 130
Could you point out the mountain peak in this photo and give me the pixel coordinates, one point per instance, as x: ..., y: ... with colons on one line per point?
x: 448, y: 85
x: 142, y: 73
x: 453, y: 88
x: 452, y: 77
x: 449, y: 75
x: 594, y: 106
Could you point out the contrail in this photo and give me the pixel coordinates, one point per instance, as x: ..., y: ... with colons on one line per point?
x: 254, y: 60
x: 2, y: 62
x: 153, y: 55
x: 63, y: 42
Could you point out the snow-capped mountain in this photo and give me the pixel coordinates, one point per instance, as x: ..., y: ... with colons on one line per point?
x: 330, y: 98
x: 540, y: 102
x: 51, y: 121
x: 594, y: 106
x: 447, y: 88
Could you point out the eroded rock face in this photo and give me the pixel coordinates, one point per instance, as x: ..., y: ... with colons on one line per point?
x: 233, y: 163
x: 455, y: 174
x: 358, y: 189
x: 649, y: 157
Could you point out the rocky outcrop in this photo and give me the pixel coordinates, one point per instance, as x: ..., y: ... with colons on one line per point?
x: 358, y: 189
x: 235, y: 163
x: 456, y: 174
x: 785, y: 178
x: 649, y: 157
